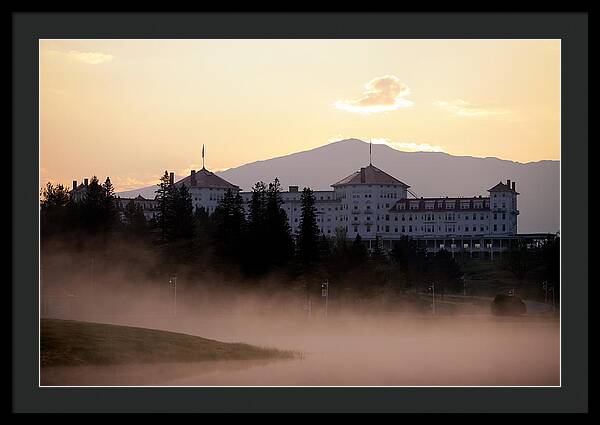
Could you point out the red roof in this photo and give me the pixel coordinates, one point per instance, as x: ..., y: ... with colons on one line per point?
x: 501, y: 187
x: 205, y: 178
x: 370, y: 175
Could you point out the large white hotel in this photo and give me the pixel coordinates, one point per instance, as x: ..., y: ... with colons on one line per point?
x: 377, y: 206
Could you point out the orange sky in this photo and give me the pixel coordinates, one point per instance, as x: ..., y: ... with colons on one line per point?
x: 130, y: 109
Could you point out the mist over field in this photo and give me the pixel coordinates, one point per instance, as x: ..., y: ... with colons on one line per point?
x: 362, y: 343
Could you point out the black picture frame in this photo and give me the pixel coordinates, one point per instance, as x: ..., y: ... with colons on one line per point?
x: 571, y: 28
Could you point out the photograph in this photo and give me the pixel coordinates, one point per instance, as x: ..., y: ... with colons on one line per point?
x: 300, y: 212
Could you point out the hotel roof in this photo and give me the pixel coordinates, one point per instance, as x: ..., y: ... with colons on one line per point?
x: 205, y: 178
x: 370, y: 175
x: 501, y: 187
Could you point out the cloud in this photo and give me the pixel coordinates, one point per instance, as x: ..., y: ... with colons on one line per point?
x: 463, y: 108
x: 129, y: 183
x: 92, y: 58
x: 408, y: 146
x: 381, y: 94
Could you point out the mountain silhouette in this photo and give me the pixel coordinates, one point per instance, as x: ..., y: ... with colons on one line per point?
x: 429, y: 174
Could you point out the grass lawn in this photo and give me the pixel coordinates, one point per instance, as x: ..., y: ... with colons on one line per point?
x: 75, y: 343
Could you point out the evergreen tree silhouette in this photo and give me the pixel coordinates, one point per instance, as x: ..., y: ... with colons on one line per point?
x: 277, y: 235
x: 308, y: 236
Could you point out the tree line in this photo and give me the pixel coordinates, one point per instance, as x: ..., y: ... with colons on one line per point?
x: 251, y: 242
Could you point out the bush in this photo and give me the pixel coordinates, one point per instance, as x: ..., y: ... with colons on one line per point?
x: 505, y: 305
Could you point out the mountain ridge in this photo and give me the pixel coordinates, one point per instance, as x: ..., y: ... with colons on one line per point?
x: 430, y: 174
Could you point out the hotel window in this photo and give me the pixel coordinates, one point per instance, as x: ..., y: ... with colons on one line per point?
x: 495, y: 216
x: 387, y: 228
x: 503, y: 216
x: 396, y: 230
x: 403, y: 229
x: 410, y: 228
x: 495, y: 228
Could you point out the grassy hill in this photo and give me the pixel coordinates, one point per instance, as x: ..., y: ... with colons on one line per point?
x: 74, y: 343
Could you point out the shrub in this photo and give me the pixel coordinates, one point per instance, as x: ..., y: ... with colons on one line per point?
x: 505, y: 305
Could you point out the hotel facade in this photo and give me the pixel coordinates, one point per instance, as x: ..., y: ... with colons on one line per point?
x: 375, y: 205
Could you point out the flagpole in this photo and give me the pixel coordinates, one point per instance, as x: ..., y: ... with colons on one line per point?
x: 202, y: 156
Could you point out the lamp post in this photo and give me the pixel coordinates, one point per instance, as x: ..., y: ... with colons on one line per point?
x: 545, y: 286
x: 325, y: 293
x: 173, y: 281
x: 432, y: 289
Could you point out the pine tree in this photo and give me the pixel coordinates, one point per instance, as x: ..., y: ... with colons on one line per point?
x: 308, y: 235
x: 230, y: 222
x: 358, y: 251
x: 278, y: 237
x: 258, y: 206
x: 55, y: 209
x: 98, y: 206
x: 54, y: 196
x: 255, y: 261
x: 109, y: 202
x: 163, y: 196
x: 135, y: 220
x: 182, y: 224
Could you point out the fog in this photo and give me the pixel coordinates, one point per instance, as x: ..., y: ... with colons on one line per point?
x: 356, y: 344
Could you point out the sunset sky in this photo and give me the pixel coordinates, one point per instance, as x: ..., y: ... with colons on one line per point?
x: 131, y: 109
